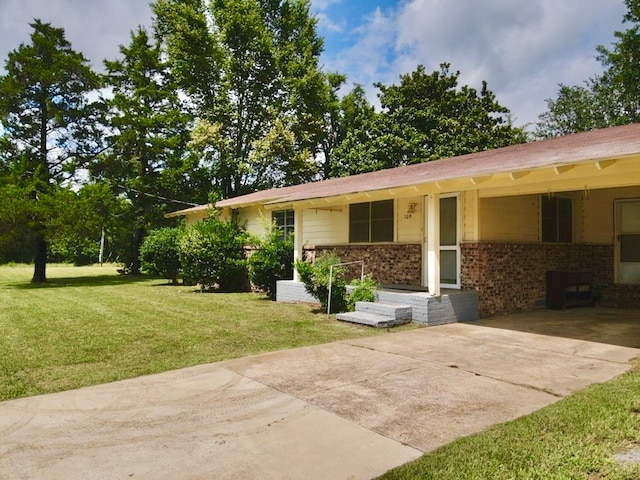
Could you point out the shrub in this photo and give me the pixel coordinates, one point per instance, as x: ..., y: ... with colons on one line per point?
x: 316, y: 280
x: 212, y: 255
x: 78, y: 251
x: 272, y: 261
x: 364, y: 291
x: 159, y: 253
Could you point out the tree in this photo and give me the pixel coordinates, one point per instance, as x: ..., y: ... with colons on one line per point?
x: 147, y: 137
x: 272, y: 261
x: 609, y: 99
x: 623, y: 65
x: 212, y: 254
x: 47, y: 126
x: 579, y: 109
x: 425, y: 117
x: 160, y: 255
x: 250, y: 69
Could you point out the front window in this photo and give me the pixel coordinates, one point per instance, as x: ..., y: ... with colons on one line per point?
x: 371, y: 222
x: 284, y: 221
x: 557, y: 219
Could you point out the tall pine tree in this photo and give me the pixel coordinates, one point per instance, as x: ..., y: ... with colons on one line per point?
x: 148, y: 130
x: 47, y: 128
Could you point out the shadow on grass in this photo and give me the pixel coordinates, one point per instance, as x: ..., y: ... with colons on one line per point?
x: 88, y: 281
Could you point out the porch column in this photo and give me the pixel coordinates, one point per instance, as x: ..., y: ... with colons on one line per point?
x: 433, y: 244
x: 298, y: 252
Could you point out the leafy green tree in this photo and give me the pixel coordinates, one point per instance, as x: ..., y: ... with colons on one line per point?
x: 623, y: 64
x: 272, y: 261
x: 316, y: 276
x: 425, y: 117
x: 212, y: 254
x: 47, y: 128
x: 612, y: 98
x: 160, y: 254
x: 250, y: 69
x: 147, y: 125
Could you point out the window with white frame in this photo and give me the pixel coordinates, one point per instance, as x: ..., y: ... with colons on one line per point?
x: 284, y: 221
x: 556, y: 219
x: 371, y: 222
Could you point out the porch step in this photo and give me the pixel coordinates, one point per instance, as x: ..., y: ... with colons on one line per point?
x: 398, y: 311
x: 377, y: 314
x: 371, y: 319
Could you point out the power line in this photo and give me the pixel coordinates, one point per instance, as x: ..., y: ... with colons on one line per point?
x: 159, y: 197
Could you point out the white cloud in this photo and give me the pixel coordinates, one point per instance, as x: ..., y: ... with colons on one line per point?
x: 324, y: 4
x: 94, y: 28
x: 522, y: 48
x: 327, y: 24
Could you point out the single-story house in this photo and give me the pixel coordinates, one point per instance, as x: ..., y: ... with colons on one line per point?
x: 493, y: 222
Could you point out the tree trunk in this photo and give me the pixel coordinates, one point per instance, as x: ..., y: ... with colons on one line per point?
x: 135, y: 261
x: 40, y: 269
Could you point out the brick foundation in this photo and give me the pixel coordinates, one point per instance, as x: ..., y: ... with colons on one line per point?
x: 621, y: 296
x: 511, y: 277
x: 393, y: 264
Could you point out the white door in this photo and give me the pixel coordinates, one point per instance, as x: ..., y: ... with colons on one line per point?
x: 628, y: 241
x: 449, y: 241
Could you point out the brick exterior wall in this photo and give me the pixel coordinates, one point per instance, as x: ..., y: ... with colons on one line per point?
x: 511, y: 277
x: 395, y: 264
x: 621, y: 296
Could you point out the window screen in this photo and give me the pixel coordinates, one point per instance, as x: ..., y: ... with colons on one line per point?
x: 557, y: 219
x: 284, y: 220
x: 371, y: 222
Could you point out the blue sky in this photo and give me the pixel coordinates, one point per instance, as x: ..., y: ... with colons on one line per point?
x: 522, y: 48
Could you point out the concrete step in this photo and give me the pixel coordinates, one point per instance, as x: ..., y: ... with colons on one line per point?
x: 400, y: 312
x: 371, y: 319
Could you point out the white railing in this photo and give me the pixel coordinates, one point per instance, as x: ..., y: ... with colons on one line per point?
x: 361, y: 262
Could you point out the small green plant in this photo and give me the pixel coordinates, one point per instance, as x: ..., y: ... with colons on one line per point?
x: 364, y: 291
x: 212, y: 255
x: 316, y: 280
x: 272, y: 261
x: 159, y: 253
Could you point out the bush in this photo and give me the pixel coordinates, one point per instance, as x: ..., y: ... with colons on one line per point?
x: 272, y: 261
x: 316, y: 280
x: 159, y: 254
x: 212, y: 255
x: 364, y: 291
x: 78, y: 251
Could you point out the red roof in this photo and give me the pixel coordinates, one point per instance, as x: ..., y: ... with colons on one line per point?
x: 614, y: 142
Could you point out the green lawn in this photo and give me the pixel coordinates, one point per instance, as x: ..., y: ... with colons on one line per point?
x: 576, y: 438
x: 90, y: 325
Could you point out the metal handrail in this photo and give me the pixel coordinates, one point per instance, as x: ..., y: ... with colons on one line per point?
x: 361, y: 262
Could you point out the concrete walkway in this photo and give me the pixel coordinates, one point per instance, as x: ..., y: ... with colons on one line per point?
x: 345, y: 410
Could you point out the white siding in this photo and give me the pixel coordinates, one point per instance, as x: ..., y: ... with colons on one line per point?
x: 595, y: 212
x: 325, y: 227
x: 195, y: 218
x: 409, y: 220
x: 255, y: 219
x: 510, y: 219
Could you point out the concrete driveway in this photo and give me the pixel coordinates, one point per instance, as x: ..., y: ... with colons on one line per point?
x: 345, y: 410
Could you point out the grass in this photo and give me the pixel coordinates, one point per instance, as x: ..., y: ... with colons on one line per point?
x: 89, y: 325
x: 576, y: 438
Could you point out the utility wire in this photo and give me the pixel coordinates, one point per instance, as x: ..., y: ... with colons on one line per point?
x: 159, y: 197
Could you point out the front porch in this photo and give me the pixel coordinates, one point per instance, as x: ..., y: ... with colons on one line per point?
x: 450, y: 306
